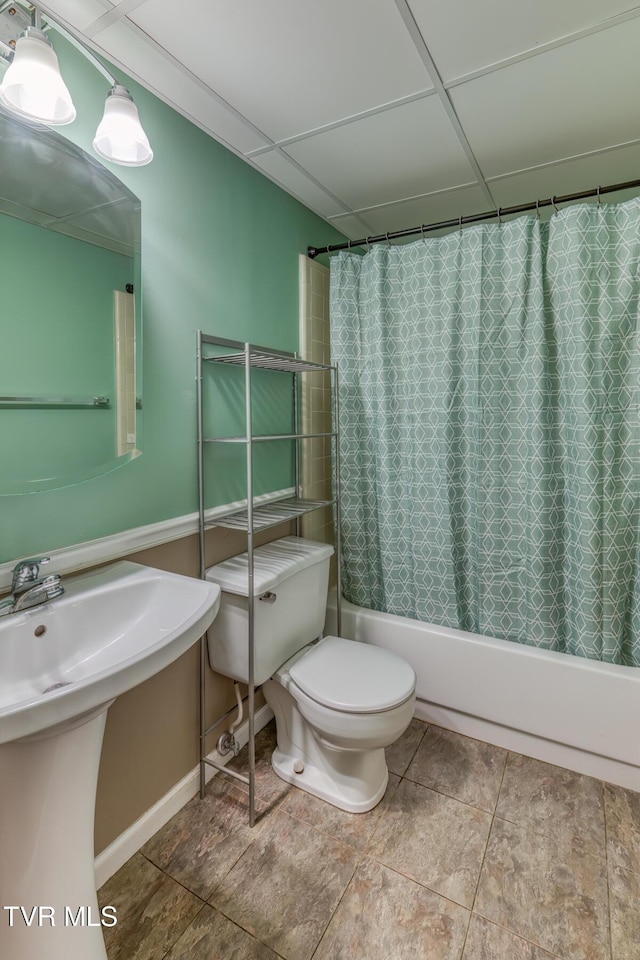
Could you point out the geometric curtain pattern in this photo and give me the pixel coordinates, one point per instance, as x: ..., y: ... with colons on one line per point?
x: 490, y: 453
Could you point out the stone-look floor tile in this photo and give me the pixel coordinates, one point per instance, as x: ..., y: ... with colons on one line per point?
x: 203, y: 841
x: 433, y: 839
x: 383, y: 914
x: 269, y: 787
x: 462, y: 768
x: 353, y: 828
x: 555, y: 802
x: 486, y: 941
x: 212, y: 937
x: 624, y: 905
x: 152, y: 909
x: 400, y: 754
x: 553, y: 894
x: 622, y: 809
x: 286, y: 886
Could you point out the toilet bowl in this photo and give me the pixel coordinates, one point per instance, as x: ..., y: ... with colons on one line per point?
x: 337, y: 703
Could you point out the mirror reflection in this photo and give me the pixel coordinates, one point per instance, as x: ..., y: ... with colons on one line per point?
x: 70, y: 360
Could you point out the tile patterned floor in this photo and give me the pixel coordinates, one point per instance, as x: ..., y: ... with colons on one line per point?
x: 474, y: 853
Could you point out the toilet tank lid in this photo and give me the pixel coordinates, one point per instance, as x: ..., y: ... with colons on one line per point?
x: 272, y: 563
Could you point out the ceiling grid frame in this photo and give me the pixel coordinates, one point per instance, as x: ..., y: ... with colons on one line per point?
x: 364, y: 115
x: 542, y: 48
x: 415, y: 33
x: 414, y: 197
x: 414, y: 25
x: 499, y: 177
x: 112, y: 16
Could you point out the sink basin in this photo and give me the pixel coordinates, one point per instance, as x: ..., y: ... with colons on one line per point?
x: 111, y: 630
x: 61, y: 667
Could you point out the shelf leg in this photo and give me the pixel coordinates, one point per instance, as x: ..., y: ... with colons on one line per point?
x: 336, y: 430
x: 250, y: 592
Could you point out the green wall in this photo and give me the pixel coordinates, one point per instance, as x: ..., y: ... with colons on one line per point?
x: 57, y: 340
x: 220, y: 247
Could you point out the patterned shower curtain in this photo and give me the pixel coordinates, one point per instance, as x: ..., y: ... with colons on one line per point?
x: 490, y: 387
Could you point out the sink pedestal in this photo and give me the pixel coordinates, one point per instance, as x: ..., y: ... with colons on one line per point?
x: 62, y: 665
x: 47, y: 805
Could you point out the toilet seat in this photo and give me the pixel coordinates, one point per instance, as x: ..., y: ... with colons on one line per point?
x: 352, y: 677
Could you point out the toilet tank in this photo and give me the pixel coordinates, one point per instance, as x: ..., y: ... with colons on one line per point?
x: 291, y: 579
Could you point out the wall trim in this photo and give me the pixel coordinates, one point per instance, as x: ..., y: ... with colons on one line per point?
x: 134, y: 837
x: 78, y: 556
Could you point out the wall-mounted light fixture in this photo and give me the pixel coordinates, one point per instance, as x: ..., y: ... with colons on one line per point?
x: 33, y: 87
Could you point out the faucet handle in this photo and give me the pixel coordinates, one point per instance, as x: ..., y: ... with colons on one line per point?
x: 27, y: 571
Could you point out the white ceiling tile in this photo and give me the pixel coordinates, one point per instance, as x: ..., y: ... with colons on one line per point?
x: 465, y: 35
x: 411, y: 213
x: 352, y: 227
x: 79, y: 13
x: 392, y: 155
x: 585, y: 173
x: 146, y: 63
x: 288, y: 66
x: 284, y: 172
x: 570, y: 100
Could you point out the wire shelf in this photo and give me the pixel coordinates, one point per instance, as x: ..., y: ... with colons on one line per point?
x: 262, y: 437
x: 269, y: 514
x: 270, y: 361
x: 264, y: 515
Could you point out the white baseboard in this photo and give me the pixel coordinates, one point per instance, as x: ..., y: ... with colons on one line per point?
x: 135, y: 836
x: 550, y: 751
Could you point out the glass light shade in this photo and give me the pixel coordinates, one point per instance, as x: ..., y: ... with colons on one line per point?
x: 32, y: 86
x: 120, y: 137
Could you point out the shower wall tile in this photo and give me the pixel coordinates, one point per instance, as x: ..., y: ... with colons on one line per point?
x: 316, y: 472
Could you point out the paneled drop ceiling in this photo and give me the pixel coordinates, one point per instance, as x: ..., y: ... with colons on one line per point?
x: 383, y: 114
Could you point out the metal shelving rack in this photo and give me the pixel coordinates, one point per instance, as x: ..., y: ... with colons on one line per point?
x: 256, y: 517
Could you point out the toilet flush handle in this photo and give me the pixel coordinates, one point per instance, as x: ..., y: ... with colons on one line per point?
x: 268, y: 597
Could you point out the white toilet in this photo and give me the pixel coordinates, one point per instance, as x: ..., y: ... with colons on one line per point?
x: 337, y: 703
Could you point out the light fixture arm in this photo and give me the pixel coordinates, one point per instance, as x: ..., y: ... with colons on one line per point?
x: 74, y: 39
x: 33, y: 88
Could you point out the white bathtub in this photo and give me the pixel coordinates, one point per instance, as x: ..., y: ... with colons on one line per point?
x: 577, y: 713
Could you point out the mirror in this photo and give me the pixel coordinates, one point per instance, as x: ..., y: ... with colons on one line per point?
x: 70, y: 347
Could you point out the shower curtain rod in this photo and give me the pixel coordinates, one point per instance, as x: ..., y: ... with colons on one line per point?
x: 313, y: 252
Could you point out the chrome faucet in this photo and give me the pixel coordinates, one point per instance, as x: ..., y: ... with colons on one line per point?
x: 28, y: 588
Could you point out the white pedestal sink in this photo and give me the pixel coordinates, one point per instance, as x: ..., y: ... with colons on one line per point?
x: 111, y: 630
